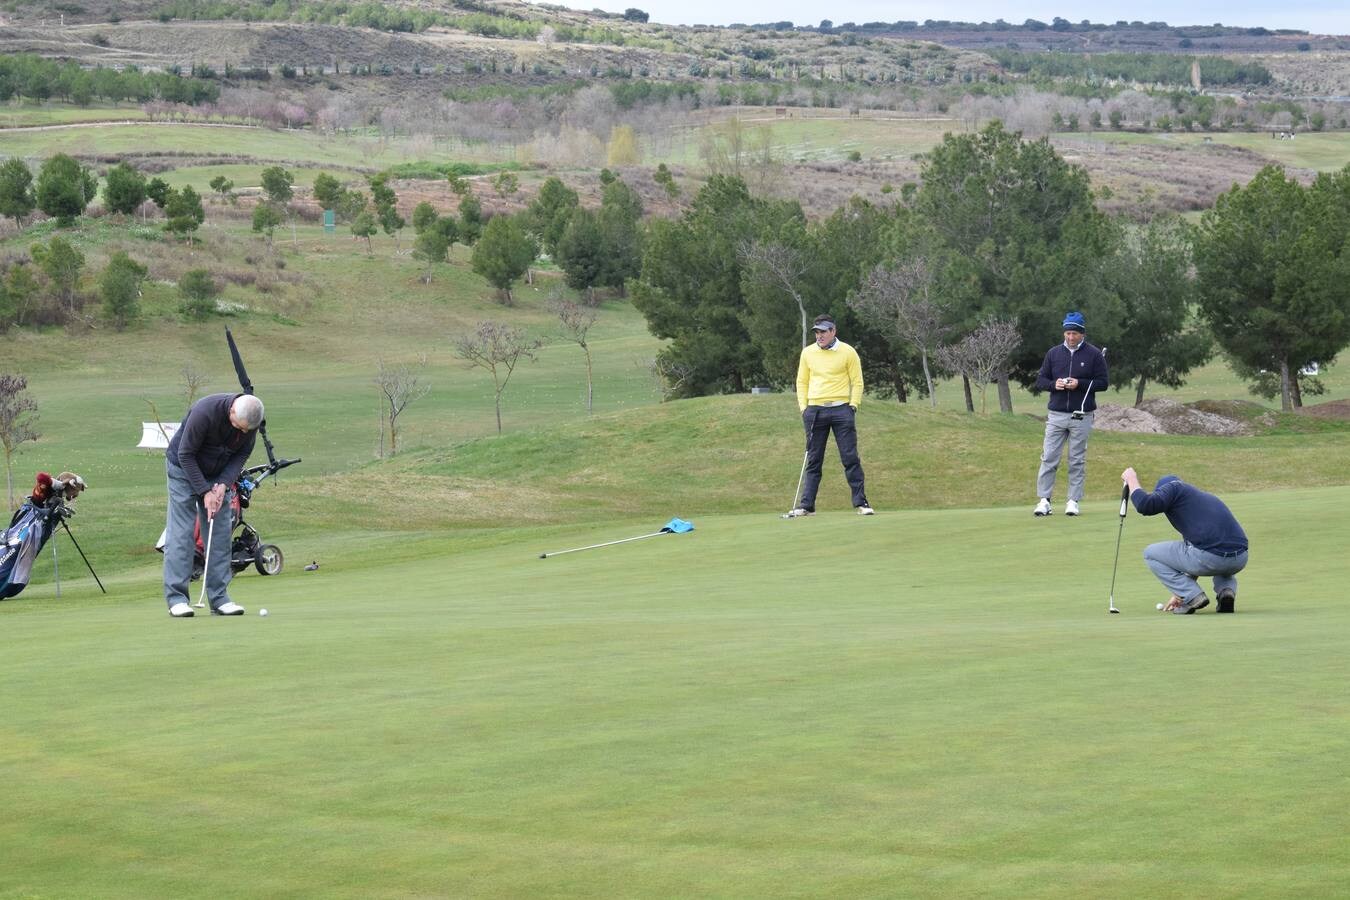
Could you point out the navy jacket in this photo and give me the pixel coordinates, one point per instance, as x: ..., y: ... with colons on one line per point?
x: 1087, y: 364
x: 1201, y: 518
x: 207, y: 447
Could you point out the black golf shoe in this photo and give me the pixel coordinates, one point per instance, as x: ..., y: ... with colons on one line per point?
x: 1199, y: 601
x: 1225, y: 600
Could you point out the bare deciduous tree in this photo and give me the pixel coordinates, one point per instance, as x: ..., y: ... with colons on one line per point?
x: 780, y: 266
x: 576, y: 321
x: 670, y: 374
x: 193, y: 381
x: 498, y: 348
x: 983, y: 354
x: 399, y: 386
x: 18, y: 416
x: 903, y: 303
x: 748, y: 154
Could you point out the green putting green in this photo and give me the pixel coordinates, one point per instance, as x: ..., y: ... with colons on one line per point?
x: 928, y: 703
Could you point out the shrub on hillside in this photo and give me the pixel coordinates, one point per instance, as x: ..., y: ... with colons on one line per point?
x: 120, y: 287
x: 198, y: 290
x: 64, y: 188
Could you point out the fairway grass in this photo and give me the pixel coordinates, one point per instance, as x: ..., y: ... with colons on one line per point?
x: 293, y: 146
x: 1321, y: 152
x: 923, y: 703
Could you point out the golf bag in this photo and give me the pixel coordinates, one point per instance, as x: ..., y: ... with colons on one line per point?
x: 22, y: 541
x: 32, y: 525
x: 246, y: 546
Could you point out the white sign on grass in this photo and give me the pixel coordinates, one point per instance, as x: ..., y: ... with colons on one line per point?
x: 156, y: 435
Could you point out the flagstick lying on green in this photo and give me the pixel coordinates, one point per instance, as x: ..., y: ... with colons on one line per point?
x: 674, y: 526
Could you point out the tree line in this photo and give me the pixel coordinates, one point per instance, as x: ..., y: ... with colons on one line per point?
x: 1001, y: 231
x: 965, y: 273
x: 1144, y: 68
x: 29, y: 77
x: 477, y: 18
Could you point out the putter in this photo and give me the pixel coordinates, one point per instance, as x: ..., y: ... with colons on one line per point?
x: 206, y: 561
x: 1124, y: 505
x: 798, y: 494
x: 796, y: 498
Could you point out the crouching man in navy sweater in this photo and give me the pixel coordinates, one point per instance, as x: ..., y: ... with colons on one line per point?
x: 1212, y: 542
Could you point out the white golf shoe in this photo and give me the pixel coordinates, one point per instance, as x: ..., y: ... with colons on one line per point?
x: 1042, y: 508
x: 181, y: 611
x: 228, y: 608
x: 866, y: 511
x: 1071, y: 508
x: 799, y: 512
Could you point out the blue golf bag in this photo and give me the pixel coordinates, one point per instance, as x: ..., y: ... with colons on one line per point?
x: 42, y: 512
x: 21, y: 543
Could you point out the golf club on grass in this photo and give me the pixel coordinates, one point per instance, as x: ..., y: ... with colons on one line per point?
x: 206, y: 561
x: 674, y: 526
x: 1124, y: 505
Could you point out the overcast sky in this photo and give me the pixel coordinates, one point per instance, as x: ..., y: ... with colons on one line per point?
x: 1317, y: 16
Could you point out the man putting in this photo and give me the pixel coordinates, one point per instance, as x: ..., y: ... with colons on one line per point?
x: 204, y: 459
x: 1212, y: 542
x: 1073, y: 372
x: 829, y: 389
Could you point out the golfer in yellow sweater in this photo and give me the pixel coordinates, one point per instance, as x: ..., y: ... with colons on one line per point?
x: 829, y: 389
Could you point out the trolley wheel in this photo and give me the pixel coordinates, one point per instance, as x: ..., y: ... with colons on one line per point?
x: 268, y: 559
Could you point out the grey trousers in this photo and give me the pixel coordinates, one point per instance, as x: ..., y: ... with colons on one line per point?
x: 1178, y: 564
x: 1061, y: 427
x: 180, y: 544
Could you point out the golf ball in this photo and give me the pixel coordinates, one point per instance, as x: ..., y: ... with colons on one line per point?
x: 1160, y: 606
x: 263, y: 612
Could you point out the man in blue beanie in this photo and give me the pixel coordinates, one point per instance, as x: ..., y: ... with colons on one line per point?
x: 1073, y: 372
x: 1212, y: 542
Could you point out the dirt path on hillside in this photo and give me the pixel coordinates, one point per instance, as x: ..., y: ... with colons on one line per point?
x: 111, y: 123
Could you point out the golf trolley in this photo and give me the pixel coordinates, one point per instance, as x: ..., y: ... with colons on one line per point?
x: 247, y: 547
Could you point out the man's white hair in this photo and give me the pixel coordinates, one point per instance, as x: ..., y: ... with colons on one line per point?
x: 249, y: 409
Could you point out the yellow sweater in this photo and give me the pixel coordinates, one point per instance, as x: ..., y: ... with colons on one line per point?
x: 829, y: 376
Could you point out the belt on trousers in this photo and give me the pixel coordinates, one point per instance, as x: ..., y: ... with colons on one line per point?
x: 832, y: 403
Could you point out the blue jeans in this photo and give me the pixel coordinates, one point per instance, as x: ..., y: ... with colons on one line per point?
x: 819, y: 421
x: 1178, y: 564
x: 180, y: 545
